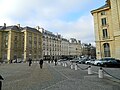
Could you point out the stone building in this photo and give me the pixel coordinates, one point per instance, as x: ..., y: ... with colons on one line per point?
x: 32, y: 43
x: 51, y: 45
x: 107, y: 29
x: 56, y: 47
x: 64, y: 47
x: 74, y: 48
x: 19, y: 44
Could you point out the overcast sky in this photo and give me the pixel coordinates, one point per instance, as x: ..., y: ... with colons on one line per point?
x: 70, y: 18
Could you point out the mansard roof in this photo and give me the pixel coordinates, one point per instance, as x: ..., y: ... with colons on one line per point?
x: 31, y: 29
x: 1, y: 27
x: 104, y: 7
x: 14, y: 27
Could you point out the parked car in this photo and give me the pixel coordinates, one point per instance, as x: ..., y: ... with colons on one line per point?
x: 107, y: 62
x: 75, y: 60
x: 82, y: 61
x: 112, y: 63
x: 90, y: 62
x: 60, y: 60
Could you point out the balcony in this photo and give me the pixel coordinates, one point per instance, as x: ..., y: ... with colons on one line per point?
x: 105, y: 37
x: 105, y: 25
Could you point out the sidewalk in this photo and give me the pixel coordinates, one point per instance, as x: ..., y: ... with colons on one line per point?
x: 80, y: 80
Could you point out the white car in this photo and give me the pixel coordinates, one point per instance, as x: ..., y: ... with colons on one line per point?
x: 90, y: 61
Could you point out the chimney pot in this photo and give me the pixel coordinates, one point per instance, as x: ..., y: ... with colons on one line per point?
x: 4, y: 24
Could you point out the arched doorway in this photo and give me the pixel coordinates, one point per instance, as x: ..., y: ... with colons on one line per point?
x: 106, y: 50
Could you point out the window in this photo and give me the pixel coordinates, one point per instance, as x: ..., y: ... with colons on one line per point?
x: 30, y: 39
x: 15, y: 42
x: 106, y: 50
x: 105, y: 34
x: 6, y: 39
x: 30, y: 51
x: 103, y: 13
x: 35, y: 42
x: 15, y: 38
x: 103, y: 21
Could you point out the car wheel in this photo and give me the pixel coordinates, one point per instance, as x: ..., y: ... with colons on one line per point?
x: 98, y: 64
x: 88, y: 63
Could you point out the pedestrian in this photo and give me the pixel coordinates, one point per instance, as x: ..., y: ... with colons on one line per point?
x: 1, y: 78
x: 55, y: 62
x: 41, y: 63
x: 30, y: 61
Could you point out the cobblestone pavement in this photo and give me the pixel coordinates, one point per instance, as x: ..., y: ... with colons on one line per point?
x: 22, y: 77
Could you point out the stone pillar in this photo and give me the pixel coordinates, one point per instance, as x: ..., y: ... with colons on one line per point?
x: 10, y: 46
x: 25, y: 46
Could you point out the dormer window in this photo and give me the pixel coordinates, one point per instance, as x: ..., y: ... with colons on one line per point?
x: 103, y: 13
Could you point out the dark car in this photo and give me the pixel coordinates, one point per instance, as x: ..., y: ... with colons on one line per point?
x: 108, y: 62
x: 112, y: 63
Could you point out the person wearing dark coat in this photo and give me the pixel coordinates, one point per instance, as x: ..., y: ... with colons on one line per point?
x: 41, y: 63
x: 30, y: 61
x: 55, y: 62
x: 1, y: 78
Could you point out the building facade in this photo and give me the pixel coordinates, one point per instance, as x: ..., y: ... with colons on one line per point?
x: 51, y: 45
x: 17, y: 43
x: 32, y: 43
x: 56, y: 47
x: 21, y: 43
x: 64, y: 47
x: 75, y: 48
x: 107, y: 29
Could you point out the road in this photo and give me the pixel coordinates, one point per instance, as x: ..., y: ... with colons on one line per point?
x: 19, y: 76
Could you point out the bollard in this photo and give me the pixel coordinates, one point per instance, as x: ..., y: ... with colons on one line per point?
x: 59, y: 63
x: 71, y: 66
x: 101, y: 73
x: 76, y: 68
x: 89, y: 70
x: 65, y: 65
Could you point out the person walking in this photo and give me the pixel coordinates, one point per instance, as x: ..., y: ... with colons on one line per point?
x: 55, y: 62
x: 30, y: 61
x: 41, y: 63
x: 1, y: 78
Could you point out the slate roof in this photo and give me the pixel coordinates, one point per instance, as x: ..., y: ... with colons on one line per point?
x: 102, y: 7
x: 2, y: 27
x: 14, y: 27
x: 31, y: 29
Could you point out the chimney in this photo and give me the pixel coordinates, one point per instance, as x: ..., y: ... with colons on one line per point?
x: 37, y: 27
x: 4, y: 24
x: 18, y: 25
x: 108, y: 2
